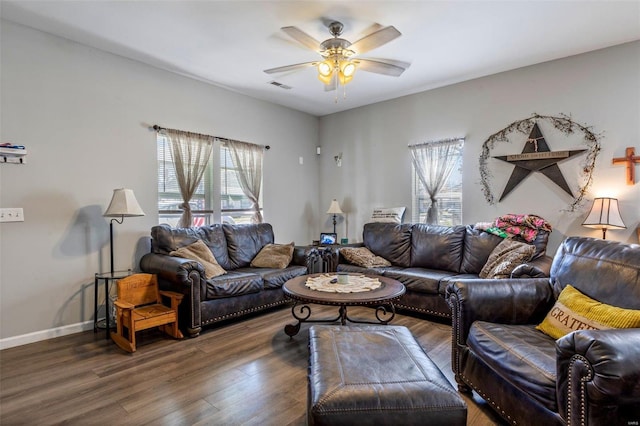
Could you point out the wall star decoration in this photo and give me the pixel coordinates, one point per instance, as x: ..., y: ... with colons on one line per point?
x: 537, y: 157
x: 537, y: 150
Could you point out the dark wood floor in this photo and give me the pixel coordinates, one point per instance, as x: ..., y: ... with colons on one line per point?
x: 245, y: 372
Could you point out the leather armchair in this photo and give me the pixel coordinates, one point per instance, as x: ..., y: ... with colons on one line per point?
x: 586, y: 377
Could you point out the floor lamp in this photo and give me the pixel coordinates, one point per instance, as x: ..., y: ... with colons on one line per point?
x: 123, y: 204
x: 604, y: 215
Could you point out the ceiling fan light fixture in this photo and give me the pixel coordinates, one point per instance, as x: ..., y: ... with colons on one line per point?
x: 347, y: 68
x: 325, y: 68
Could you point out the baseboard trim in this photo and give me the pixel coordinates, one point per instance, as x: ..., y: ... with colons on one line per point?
x: 38, y: 336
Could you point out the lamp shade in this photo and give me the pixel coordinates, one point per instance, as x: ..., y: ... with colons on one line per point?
x: 123, y: 204
x: 334, y: 208
x: 604, y: 215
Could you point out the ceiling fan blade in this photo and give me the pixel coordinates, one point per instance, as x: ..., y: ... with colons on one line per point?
x: 294, y: 67
x: 380, y: 67
x: 302, y: 37
x: 375, y: 39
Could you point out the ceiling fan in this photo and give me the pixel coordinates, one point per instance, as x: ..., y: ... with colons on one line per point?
x: 340, y: 57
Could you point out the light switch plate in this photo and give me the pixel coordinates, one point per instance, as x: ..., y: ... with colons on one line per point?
x: 12, y: 215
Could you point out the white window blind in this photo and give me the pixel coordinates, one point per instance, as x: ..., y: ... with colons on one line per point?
x: 218, y: 198
x: 449, y: 198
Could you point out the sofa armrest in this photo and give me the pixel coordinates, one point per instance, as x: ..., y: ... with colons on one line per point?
x: 183, y: 276
x: 505, y: 301
x: 598, y: 376
x: 175, y: 269
x: 538, y: 268
x: 305, y: 256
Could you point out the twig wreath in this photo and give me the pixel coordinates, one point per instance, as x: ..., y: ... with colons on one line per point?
x: 566, y: 125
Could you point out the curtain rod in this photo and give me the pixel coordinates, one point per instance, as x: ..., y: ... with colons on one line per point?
x: 438, y: 141
x: 159, y: 129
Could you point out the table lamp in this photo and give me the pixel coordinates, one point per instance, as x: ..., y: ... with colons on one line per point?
x: 604, y: 215
x: 123, y: 204
x: 334, y: 209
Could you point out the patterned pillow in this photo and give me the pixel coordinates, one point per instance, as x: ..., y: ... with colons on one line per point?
x: 576, y: 311
x: 362, y: 256
x: 505, y: 258
x: 199, y: 252
x: 277, y: 256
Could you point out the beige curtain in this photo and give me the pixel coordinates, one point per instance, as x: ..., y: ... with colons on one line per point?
x: 433, y: 163
x: 191, y: 152
x: 247, y: 158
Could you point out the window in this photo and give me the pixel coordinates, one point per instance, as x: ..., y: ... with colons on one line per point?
x: 218, y: 197
x: 437, y: 168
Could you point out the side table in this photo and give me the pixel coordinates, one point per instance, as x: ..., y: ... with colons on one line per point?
x: 106, y: 277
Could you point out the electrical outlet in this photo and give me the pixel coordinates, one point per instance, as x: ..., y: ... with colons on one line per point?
x: 12, y: 215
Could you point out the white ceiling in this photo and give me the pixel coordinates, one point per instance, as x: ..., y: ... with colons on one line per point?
x: 230, y: 43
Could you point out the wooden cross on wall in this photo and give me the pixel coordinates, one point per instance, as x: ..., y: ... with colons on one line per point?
x: 629, y: 159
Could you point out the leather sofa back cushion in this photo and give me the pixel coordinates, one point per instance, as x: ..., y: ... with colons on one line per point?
x: 244, y: 242
x: 478, y: 245
x: 604, y: 270
x: 165, y: 239
x: 437, y: 247
x: 390, y: 241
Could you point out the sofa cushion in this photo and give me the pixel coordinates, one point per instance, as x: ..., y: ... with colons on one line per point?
x: 575, y: 311
x: 199, y: 252
x: 245, y: 241
x: 275, y: 278
x: 390, y: 241
x: 419, y: 280
x: 437, y: 247
x: 273, y: 256
x: 478, y: 245
x: 507, y: 255
x: 233, y: 283
x: 362, y: 256
x: 520, y: 355
x: 348, y: 267
x: 165, y: 239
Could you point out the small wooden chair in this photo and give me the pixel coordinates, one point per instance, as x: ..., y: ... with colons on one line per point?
x: 139, y: 307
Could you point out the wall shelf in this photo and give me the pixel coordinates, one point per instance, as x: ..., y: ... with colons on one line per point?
x: 13, y: 155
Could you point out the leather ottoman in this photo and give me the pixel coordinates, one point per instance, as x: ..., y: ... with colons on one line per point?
x: 378, y: 375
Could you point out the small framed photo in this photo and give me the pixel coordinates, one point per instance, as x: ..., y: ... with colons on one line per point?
x: 327, y: 238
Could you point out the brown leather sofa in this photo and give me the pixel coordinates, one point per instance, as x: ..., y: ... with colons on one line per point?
x: 587, y: 377
x: 426, y: 257
x: 242, y: 290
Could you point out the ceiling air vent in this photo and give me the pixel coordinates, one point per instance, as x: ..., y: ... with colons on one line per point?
x: 280, y: 85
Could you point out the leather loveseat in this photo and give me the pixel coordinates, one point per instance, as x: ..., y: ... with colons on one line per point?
x: 586, y: 377
x: 426, y: 257
x: 241, y: 290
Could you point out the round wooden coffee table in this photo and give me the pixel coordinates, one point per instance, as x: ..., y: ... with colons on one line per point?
x: 382, y: 298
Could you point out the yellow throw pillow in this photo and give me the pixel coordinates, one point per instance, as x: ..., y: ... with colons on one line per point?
x: 363, y: 257
x: 277, y: 256
x: 575, y: 311
x: 199, y: 252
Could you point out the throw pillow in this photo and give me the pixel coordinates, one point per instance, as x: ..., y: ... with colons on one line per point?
x: 276, y: 256
x: 199, y: 252
x: 362, y: 256
x: 576, y: 311
x: 392, y: 214
x: 505, y: 257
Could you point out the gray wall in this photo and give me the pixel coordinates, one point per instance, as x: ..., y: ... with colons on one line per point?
x: 83, y: 115
x: 600, y: 89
